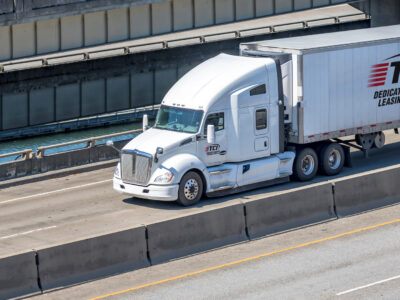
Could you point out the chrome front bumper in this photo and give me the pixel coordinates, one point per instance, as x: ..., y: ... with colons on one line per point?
x: 151, y: 192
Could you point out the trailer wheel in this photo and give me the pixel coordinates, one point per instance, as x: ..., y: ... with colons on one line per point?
x: 379, y: 140
x: 190, y: 189
x: 305, y: 164
x: 332, y: 159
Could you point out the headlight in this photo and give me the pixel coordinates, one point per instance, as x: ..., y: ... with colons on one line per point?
x: 116, y: 171
x: 164, y: 178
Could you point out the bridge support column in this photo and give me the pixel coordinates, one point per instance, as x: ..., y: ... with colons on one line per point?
x: 385, y: 12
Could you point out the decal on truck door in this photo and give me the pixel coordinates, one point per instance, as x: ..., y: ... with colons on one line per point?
x: 380, y: 75
x: 212, y: 149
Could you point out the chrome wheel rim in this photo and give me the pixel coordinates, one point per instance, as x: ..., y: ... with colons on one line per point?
x: 307, y: 164
x: 334, y: 159
x: 191, y: 189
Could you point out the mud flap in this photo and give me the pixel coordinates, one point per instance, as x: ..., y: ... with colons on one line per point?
x: 347, y: 157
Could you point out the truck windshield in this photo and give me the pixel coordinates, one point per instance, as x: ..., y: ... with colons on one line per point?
x: 178, y: 119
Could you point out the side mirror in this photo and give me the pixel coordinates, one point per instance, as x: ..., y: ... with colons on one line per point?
x: 210, y: 134
x: 145, y: 122
x: 160, y: 150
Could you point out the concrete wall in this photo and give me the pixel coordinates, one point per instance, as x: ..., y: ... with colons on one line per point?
x: 84, y: 98
x: 106, y: 26
x: 385, y: 12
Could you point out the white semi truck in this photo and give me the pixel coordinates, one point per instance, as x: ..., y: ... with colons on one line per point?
x: 279, y: 109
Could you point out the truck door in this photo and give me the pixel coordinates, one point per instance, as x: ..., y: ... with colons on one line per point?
x: 255, y: 130
x: 214, y: 154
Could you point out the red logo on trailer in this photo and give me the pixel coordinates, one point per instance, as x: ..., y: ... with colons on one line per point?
x: 378, y: 74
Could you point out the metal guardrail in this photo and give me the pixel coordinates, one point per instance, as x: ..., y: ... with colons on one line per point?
x: 25, y: 154
x: 131, y: 49
x: 90, y: 142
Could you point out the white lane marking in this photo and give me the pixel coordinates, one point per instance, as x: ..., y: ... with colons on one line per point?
x: 368, y: 285
x: 56, y: 191
x: 26, y: 232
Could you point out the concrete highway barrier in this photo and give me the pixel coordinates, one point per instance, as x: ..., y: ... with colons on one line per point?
x: 18, y: 275
x: 93, y: 258
x: 196, y: 232
x: 288, y: 210
x: 64, y: 160
x: 15, y: 169
x: 367, y: 191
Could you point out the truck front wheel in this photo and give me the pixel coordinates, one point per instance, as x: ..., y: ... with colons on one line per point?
x: 190, y: 189
x: 331, y: 159
x: 305, y: 165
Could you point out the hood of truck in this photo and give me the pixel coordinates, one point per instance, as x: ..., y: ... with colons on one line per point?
x: 149, y: 140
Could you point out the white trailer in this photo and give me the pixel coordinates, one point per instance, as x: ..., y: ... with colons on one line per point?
x: 239, y: 122
x: 334, y: 84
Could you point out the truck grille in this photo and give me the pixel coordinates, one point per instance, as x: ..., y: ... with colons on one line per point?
x: 135, y: 167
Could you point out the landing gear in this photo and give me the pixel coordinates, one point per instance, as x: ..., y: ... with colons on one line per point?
x: 369, y: 141
x: 366, y: 141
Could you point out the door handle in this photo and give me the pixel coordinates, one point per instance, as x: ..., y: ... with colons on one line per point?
x: 223, y: 152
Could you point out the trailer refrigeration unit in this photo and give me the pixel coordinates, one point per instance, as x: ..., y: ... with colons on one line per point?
x: 279, y: 109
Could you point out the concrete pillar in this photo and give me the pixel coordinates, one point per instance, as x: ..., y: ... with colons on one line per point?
x: 140, y: 21
x: 5, y: 43
x: 203, y: 13
x: 385, y: 12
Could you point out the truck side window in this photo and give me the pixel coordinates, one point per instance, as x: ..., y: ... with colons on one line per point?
x: 261, y: 119
x: 215, y: 119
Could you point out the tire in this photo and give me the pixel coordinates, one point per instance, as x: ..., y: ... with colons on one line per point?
x: 305, y: 165
x: 331, y: 159
x: 379, y: 140
x: 190, y: 189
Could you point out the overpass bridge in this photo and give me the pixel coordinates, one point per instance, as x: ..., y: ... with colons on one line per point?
x: 67, y: 60
x: 33, y: 27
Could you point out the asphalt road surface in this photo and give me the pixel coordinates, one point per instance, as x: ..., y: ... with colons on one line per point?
x: 59, y: 210
x: 351, y: 258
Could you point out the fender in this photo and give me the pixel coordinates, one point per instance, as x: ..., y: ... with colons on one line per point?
x: 179, y: 164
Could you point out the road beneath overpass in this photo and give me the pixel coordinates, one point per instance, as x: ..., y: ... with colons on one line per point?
x: 59, y: 210
x: 351, y: 258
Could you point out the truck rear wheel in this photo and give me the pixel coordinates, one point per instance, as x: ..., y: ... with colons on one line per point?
x: 331, y: 159
x: 305, y: 165
x: 190, y: 189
